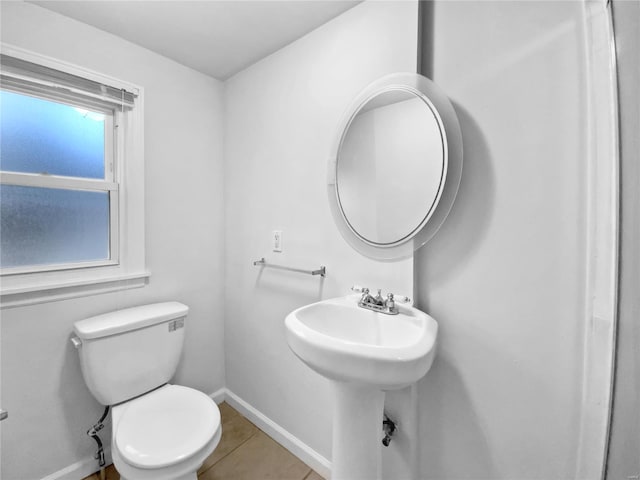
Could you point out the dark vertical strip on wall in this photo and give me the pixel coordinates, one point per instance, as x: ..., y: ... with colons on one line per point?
x: 623, y: 460
x: 424, y: 66
x: 425, y: 38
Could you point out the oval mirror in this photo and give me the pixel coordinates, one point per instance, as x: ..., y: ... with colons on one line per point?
x: 396, y: 166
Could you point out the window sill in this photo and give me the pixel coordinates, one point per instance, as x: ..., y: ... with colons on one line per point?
x: 54, y: 291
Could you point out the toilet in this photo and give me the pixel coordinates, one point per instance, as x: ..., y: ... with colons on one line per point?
x: 160, y: 431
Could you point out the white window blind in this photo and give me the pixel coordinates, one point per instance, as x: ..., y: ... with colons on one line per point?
x: 23, y: 76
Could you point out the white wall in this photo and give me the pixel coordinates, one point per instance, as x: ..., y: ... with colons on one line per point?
x: 49, y: 407
x: 282, y: 114
x: 505, y: 276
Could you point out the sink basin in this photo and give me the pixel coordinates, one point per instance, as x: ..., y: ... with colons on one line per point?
x: 347, y: 343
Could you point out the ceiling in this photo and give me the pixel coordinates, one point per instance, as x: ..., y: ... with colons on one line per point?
x: 215, y: 37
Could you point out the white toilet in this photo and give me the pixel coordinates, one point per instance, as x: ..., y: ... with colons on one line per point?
x: 160, y: 431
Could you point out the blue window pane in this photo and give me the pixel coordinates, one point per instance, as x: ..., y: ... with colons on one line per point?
x: 40, y: 136
x: 44, y: 226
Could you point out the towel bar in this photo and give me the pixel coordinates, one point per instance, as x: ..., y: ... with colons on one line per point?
x: 263, y: 263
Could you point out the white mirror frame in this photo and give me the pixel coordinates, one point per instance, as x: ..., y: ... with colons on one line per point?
x: 450, y: 131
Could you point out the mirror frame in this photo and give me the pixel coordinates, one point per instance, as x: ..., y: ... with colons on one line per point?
x: 451, y: 135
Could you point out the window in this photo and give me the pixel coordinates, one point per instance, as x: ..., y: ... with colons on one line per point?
x: 58, y: 198
x: 70, y: 149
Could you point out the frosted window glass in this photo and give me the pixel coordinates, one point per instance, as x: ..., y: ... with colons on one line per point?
x: 40, y: 136
x: 44, y: 226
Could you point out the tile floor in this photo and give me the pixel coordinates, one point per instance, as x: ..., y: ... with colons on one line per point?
x: 244, y: 453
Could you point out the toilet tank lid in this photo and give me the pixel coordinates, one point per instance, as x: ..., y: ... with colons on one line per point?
x: 128, y: 319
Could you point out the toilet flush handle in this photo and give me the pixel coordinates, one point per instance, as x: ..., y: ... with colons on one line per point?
x: 76, y: 342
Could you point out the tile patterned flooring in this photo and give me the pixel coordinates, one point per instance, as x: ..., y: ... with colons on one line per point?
x: 244, y: 453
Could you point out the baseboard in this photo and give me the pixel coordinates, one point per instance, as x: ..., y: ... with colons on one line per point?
x: 296, y: 446
x: 81, y: 469
x: 219, y: 395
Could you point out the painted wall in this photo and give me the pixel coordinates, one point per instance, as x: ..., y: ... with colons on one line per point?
x: 624, y: 449
x: 505, y: 276
x: 282, y: 114
x: 42, y: 388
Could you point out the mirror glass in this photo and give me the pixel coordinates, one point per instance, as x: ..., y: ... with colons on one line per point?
x: 390, y: 167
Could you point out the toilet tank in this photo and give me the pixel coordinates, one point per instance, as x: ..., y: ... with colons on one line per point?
x: 126, y: 353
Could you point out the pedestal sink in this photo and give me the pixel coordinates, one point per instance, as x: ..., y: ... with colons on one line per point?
x: 363, y: 353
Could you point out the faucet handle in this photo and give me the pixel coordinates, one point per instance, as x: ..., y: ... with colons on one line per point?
x: 400, y: 298
x: 390, y: 303
x: 359, y: 289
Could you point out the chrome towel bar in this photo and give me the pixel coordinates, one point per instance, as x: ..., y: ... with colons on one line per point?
x: 263, y: 263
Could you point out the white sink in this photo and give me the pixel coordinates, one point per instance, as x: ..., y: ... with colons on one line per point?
x: 344, y: 342
x: 363, y: 353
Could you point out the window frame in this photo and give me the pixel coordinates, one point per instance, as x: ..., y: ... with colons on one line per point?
x: 124, y: 180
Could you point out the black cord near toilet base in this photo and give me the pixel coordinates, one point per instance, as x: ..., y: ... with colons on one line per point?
x: 93, y: 433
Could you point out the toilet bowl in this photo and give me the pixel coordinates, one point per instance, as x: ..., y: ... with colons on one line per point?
x: 160, y: 431
x: 164, y: 435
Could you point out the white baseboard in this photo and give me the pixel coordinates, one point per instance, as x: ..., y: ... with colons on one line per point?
x: 296, y: 446
x: 81, y: 469
x: 219, y: 395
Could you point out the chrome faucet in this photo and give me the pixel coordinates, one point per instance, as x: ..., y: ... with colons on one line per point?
x: 378, y: 303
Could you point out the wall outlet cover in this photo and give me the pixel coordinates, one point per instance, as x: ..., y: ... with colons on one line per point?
x: 276, y: 238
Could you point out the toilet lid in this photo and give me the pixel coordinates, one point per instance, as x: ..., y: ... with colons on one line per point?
x: 166, y: 426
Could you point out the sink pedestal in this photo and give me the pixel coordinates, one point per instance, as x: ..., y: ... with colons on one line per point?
x: 357, y: 432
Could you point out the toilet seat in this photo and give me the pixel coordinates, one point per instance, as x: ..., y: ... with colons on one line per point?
x: 165, y: 427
